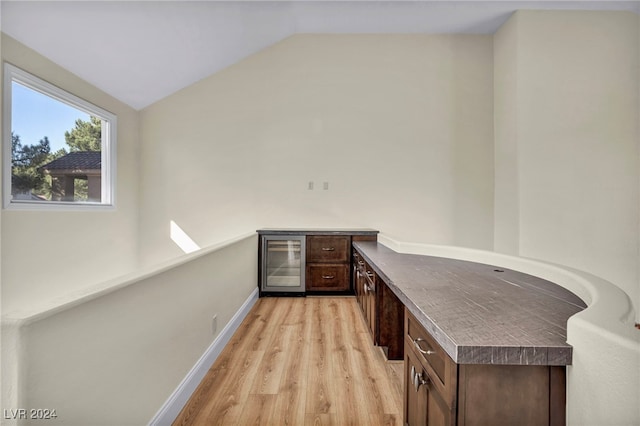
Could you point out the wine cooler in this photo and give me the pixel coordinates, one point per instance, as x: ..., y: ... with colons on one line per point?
x: 283, y: 264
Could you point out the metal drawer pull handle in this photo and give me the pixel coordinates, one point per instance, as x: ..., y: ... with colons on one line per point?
x: 360, y: 262
x: 369, y: 274
x: 328, y: 277
x: 328, y: 249
x: 416, y: 343
x: 418, y: 381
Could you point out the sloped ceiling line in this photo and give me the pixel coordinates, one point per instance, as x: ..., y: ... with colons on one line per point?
x: 142, y: 51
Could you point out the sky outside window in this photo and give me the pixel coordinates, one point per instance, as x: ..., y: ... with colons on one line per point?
x: 35, y: 116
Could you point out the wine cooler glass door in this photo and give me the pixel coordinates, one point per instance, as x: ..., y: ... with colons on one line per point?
x: 283, y: 264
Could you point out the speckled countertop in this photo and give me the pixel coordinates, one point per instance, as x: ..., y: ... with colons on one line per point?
x: 480, y: 314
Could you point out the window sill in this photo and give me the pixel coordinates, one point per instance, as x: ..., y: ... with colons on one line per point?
x: 58, y: 206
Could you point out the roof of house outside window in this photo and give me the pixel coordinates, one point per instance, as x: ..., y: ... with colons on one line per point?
x: 80, y: 160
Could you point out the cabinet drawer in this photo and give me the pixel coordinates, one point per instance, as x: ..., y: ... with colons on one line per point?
x: 328, y: 249
x: 440, y: 367
x: 327, y: 277
x: 364, y: 268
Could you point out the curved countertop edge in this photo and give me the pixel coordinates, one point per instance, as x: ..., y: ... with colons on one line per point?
x: 548, y: 355
x: 609, y: 311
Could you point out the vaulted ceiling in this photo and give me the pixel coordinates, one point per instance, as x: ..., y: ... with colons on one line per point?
x: 142, y: 51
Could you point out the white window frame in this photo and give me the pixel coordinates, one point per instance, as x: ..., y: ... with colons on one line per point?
x: 109, y: 132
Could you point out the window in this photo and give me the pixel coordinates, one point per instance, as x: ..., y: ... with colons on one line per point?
x: 59, y: 150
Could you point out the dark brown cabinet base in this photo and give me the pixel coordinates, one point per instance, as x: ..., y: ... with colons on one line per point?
x: 326, y: 263
x: 510, y: 394
x: 441, y: 392
x: 382, y: 310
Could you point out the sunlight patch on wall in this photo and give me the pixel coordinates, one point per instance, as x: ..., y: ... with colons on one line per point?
x: 182, y: 240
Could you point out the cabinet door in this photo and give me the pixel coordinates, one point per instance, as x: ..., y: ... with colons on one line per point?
x: 359, y: 284
x: 354, y: 274
x: 370, y: 286
x: 423, y: 404
x: 437, y: 413
x: 360, y: 291
x: 415, y: 398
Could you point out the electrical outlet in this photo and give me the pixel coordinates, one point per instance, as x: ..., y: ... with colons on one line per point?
x: 214, y: 324
x: 325, y: 185
x: 310, y: 187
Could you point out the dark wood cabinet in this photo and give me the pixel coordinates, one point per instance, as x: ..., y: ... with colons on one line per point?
x: 415, y: 392
x: 423, y: 404
x: 325, y: 259
x: 440, y: 392
x: 429, y: 368
x: 370, y: 292
x: 328, y: 263
x: 485, y: 378
x: 381, y: 309
x: 365, y: 286
x: 390, y: 321
x: 356, y: 279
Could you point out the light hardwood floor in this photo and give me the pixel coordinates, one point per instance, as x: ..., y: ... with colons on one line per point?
x: 299, y: 361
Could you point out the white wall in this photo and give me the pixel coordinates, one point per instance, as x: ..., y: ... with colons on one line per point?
x: 7, y: 383
x: 567, y: 184
x: 572, y: 131
x: 49, y: 254
x: 505, y: 98
x: 399, y: 125
x: 115, y: 359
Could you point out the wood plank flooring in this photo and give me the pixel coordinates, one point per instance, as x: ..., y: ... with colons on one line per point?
x: 299, y: 361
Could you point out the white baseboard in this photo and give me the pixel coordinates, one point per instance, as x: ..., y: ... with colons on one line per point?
x: 174, y: 404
